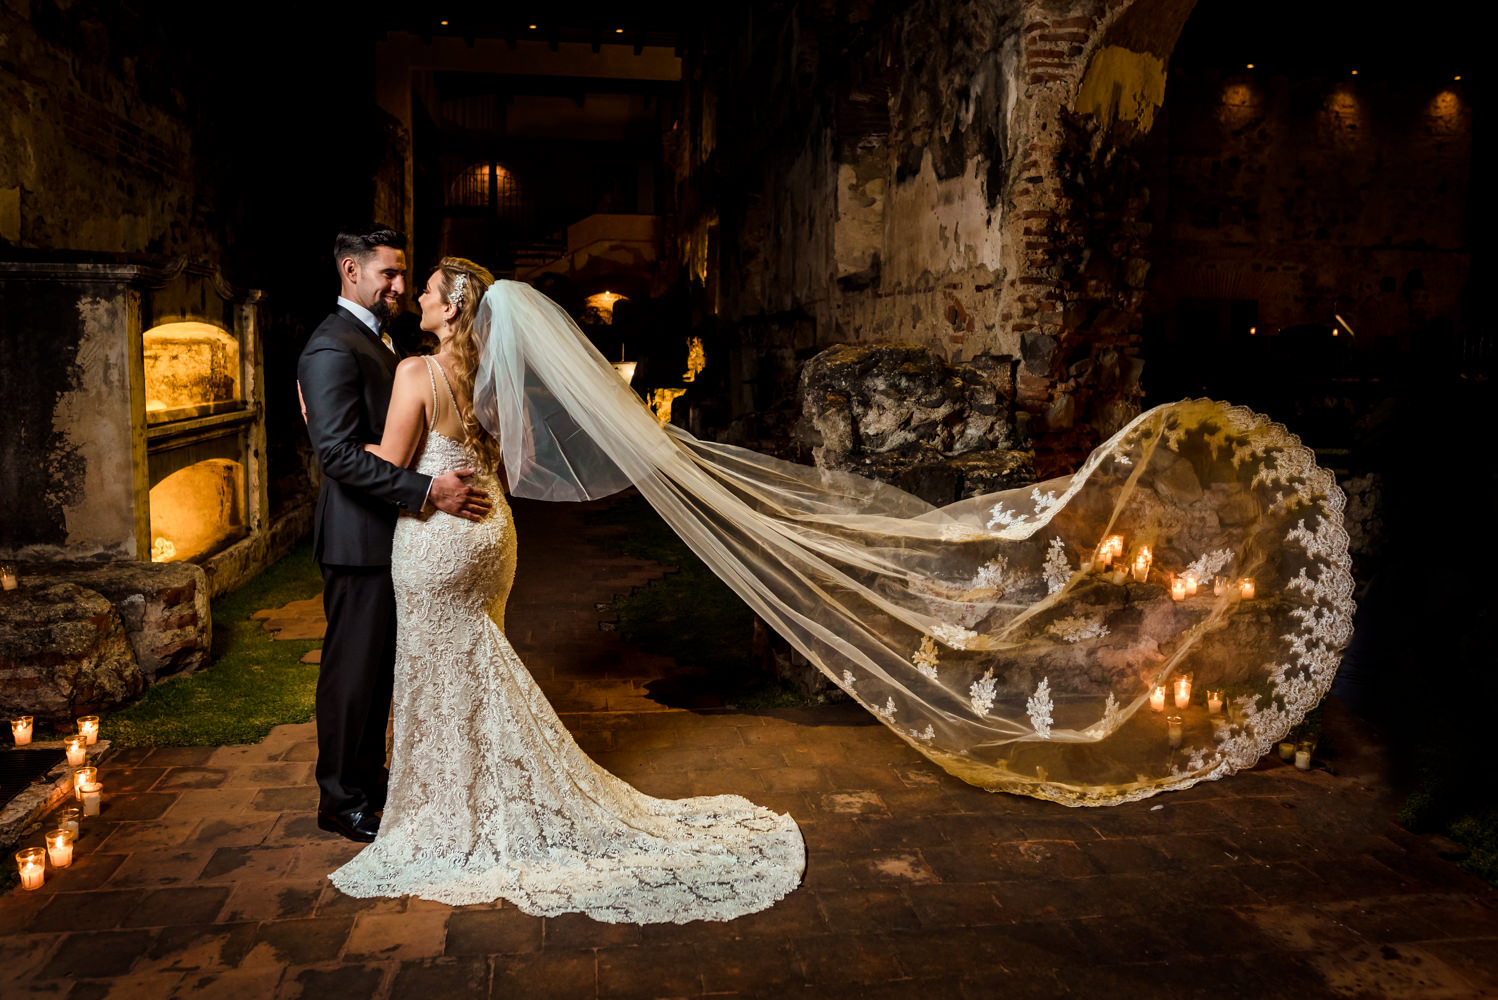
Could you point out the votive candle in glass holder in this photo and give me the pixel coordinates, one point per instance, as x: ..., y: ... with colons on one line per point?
x: 1219, y: 584
x: 77, y: 750
x: 8, y: 578
x: 1174, y: 731
x: 1287, y: 750
x: 1246, y: 588
x: 20, y: 730
x: 1142, y: 564
x: 1190, y: 579
x: 1102, y: 558
x: 88, y: 727
x: 1183, y: 692
x: 32, y: 861
x: 83, y: 776
x: 1157, y: 698
x: 1303, y: 756
x: 1178, y: 589
x: 1214, y: 702
x: 91, y: 793
x: 59, y: 847
x: 69, y: 819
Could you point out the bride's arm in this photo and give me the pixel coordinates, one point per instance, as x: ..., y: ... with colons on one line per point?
x: 410, y: 412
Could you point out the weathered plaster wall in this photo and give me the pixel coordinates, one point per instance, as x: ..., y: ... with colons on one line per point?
x: 100, y: 132
x: 68, y: 453
x: 949, y: 172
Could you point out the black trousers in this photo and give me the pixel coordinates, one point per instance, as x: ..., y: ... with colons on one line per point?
x: 354, y: 685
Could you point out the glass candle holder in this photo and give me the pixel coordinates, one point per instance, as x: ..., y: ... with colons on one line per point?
x: 20, y: 730
x: 1174, y: 731
x: 91, y: 794
x: 1157, y: 698
x: 1183, y: 692
x: 32, y: 861
x: 88, y: 728
x: 77, y: 750
x: 1246, y: 589
x: 1214, y: 702
x: 8, y: 578
x: 1287, y: 750
x: 69, y: 819
x: 1190, y: 579
x: 1142, y: 564
x: 59, y: 847
x: 1303, y: 756
x: 1178, y: 589
x: 83, y: 776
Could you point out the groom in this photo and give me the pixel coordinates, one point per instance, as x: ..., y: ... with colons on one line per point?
x: 345, y: 375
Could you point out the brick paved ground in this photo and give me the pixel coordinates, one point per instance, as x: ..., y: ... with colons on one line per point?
x: 206, y: 875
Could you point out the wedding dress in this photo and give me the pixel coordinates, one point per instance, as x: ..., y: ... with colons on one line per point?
x: 490, y: 797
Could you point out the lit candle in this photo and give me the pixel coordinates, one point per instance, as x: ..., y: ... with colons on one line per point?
x: 83, y: 776
x: 1178, y: 589
x: 1115, y: 546
x: 1214, y: 702
x: 1173, y: 730
x: 1190, y: 579
x: 1103, y: 557
x: 33, y: 864
x: 67, y: 819
x: 77, y: 748
x: 8, y: 579
x: 1157, y: 698
x: 1303, y: 757
x: 1183, y: 692
x: 91, y: 793
x: 1246, y: 588
x: 21, y: 730
x: 59, y: 848
x: 88, y: 727
x: 1142, y: 564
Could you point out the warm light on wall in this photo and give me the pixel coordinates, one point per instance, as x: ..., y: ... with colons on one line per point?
x: 196, y: 509
x: 599, y: 308
x: 191, y: 369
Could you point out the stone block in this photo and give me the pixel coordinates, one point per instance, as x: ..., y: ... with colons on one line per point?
x: 164, y: 608
x: 900, y: 414
x: 64, y: 652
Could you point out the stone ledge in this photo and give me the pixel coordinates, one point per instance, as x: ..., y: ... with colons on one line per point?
x: 19, y: 818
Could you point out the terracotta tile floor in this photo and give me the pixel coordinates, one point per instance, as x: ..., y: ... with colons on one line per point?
x: 207, y: 877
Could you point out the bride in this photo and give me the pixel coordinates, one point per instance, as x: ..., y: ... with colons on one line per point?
x: 490, y: 797
x: 1162, y: 616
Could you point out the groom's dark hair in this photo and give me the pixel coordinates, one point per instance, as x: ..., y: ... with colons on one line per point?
x: 359, y: 242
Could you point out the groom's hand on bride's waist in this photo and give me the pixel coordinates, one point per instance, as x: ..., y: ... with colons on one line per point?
x: 453, y: 496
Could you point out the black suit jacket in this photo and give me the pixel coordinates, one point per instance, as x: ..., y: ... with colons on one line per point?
x: 346, y: 375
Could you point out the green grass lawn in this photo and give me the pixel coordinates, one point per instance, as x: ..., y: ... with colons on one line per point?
x: 254, y: 682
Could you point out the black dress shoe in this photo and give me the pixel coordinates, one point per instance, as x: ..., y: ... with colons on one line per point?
x: 355, y: 824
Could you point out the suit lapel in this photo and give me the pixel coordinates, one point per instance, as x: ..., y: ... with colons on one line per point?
x: 391, y: 358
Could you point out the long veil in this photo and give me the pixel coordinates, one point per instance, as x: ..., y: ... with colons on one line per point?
x: 1039, y: 640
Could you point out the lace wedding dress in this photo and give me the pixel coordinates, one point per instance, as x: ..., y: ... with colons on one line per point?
x: 491, y: 798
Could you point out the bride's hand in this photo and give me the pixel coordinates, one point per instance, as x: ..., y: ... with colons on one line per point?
x: 453, y: 496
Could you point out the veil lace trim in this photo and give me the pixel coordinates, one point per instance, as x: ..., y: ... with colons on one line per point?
x: 987, y: 633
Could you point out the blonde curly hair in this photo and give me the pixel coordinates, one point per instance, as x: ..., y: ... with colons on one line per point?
x: 474, y: 282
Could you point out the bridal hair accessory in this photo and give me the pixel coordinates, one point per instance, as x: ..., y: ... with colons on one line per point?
x: 459, y: 290
x: 987, y: 634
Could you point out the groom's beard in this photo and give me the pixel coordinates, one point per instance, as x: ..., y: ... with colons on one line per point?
x: 384, y: 311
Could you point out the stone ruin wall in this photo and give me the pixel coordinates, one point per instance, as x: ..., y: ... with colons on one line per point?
x: 952, y: 174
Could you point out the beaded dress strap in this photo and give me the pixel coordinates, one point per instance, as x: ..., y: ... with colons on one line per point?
x: 433, y: 378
